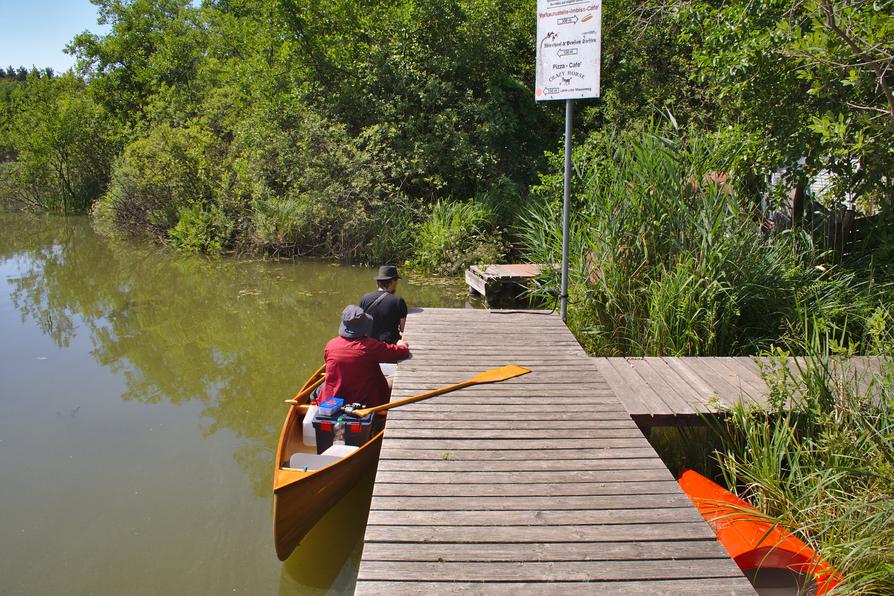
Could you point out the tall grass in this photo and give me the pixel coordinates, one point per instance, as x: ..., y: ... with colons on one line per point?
x: 668, y: 258
x: 820, y: 460
x: 457, y: 234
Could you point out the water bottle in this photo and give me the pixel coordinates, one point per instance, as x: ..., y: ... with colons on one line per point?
x: 339, y: 429
x: 309, y: 434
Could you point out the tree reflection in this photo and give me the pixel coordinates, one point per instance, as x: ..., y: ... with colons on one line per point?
x: 238, y: 336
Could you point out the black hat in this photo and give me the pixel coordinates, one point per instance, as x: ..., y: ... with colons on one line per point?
x: 387, y: 272
x: 355, y: 322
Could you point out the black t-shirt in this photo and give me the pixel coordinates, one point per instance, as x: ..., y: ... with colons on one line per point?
x: 386, y: 315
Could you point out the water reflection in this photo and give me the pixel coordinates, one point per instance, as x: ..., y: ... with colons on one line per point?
x: 223, y: 340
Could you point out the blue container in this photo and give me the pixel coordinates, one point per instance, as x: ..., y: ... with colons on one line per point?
x: 330, y: 407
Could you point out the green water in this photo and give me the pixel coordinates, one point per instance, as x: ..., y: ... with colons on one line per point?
x: 140, y: 404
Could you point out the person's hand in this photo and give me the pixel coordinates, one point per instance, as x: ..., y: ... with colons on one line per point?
x: 401, y: 342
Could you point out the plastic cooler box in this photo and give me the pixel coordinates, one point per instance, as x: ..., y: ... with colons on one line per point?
x: 331, y: 406
x: 358, y: 431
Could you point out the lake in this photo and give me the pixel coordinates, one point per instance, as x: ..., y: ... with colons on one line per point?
x: 141, y: 401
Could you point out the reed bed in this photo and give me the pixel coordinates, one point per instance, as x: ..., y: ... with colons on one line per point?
x: 820, y: 460
x: 669, y: 257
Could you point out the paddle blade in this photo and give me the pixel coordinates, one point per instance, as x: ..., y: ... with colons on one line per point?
x: 499, y: 374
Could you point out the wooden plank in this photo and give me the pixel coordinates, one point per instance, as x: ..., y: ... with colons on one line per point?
x: 573, y: 489
x: 671, y: 587
x: 694, y: 381
x: 531, y: 477
x: 488, y: 408
x: 749, y: 363
x: 502, y: 503
x: 631, y: 401
x: 537, y: 376
x: 517, y: 434
x: 636, y: 384
x: 690, y: 396
x: 487, y: 414
x: 391, y: 452
x: 507, y: 420
x: 507, y: 552
x: 754, y: 386
x: 659, y: 386
x: 723, y: 388
x: 739, y: 383
x: 548, y: 571
x: 531, y: 465
x: 545, y: 517
x: 532, y: 391
x: 535, y: 534
x: 533, y: 444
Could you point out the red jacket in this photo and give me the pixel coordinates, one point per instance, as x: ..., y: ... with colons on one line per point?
x: 352, y: 369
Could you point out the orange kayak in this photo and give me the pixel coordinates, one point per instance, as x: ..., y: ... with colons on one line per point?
x: 750, y: 540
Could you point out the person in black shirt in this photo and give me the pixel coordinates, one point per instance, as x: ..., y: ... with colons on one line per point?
x: 388, y: 310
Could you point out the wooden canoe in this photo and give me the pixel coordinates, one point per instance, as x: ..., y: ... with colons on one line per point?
x: 752, y: 541
x: 302, y: 496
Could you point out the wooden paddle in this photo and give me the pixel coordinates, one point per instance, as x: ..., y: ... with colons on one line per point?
x: 313, y: 377
x: 489, y: 376
x: 312, y: 383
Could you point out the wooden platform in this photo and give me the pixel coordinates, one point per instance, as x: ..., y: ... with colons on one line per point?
x: 496, y: 282
x: 659, y: 391
x: 541, y: 484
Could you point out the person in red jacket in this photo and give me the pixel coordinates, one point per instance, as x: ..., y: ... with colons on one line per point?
x: 352, y: 361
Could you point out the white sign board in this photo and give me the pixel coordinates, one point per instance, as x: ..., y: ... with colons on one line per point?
x: 569, y: 36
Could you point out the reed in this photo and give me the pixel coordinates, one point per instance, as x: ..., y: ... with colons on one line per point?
x: 667, y: 257
x: 820, y: 459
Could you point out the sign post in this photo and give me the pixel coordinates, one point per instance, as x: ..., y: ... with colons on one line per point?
x: 569, y: 37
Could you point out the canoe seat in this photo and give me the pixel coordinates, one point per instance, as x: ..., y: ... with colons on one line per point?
x: 311, y: 461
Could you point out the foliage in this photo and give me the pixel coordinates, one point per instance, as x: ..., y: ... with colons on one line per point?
x: 62, y: 143
x: 159, y: 177
x: 456, y: 235
x: 821, y: 460
x: 327, y: 117
x: 411, y: 102
x: 809, y: 79
x: 315, y: 190
x: 668, y: 258
x: 201, y: 229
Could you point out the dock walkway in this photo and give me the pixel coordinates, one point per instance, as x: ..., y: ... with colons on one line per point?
x: 667, y: 391
x: 540, y: 484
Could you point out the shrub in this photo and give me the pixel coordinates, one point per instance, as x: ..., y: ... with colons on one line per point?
x: 456, y: 235
x: 63, y: 145
x: 315, y: 189
x: 168, y: 174
x: 201, y: 229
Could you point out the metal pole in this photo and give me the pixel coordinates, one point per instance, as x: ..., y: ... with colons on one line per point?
x: 566, y: 208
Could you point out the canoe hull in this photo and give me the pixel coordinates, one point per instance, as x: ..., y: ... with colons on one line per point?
x: 751, y: 541
x: 299, y: 504
x: 302, y: 497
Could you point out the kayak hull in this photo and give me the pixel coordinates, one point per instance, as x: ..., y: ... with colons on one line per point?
x: 752, y: 541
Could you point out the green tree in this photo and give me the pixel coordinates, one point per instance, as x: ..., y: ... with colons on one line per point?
x: 807, y: 79
x: 62, y: 142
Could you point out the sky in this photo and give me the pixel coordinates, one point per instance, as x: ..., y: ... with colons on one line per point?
x: 34, y: 32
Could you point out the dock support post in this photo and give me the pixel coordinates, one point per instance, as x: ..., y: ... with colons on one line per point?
x: 566, y: 208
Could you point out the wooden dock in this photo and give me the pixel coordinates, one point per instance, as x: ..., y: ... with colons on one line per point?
x: 540, y: 484
x: 667, y: 391
x: 501, y: 282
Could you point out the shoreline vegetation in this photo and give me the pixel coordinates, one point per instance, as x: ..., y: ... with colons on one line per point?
x: 732, y: 191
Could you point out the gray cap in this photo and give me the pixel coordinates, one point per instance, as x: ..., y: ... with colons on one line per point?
x: 355, y: 322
